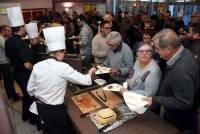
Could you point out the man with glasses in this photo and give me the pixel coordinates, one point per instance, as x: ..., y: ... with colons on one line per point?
x: 99, y: 46
x: 178, y: 92
x: 108, y: 17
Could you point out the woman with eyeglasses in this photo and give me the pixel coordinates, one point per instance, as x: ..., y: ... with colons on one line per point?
x: 145, y: 76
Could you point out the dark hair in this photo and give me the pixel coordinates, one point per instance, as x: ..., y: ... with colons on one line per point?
x: 168, y: 12
x: 54, y: 52
x: 147, y: 32
x: 103, y: 23
x: 81, y: 17
x: 196, y: 28
x: 16, y: 29
x: 154, y: 17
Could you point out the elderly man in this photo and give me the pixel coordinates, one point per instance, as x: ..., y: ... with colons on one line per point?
x: 119, y: 57
x: 99, y: 46
x: 178, y: 90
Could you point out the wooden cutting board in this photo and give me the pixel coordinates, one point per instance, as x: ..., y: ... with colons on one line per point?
x: 85, y: 102
x: 111, y: 98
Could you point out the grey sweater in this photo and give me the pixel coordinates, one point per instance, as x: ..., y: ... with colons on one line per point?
x: 99, y: 48
x: 122, y: 59
x: 3, y: 58
x: 151, y: 82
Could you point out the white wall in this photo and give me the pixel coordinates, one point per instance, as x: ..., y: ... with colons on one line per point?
x: 31, y: 4
x: 4, y: 17
x: 101, y: 8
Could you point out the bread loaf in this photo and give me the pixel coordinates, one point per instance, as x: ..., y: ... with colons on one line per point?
x: 105, y: 116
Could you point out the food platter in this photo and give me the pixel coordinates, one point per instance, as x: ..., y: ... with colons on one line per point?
x: 102, y: 70
x: 113, y: 87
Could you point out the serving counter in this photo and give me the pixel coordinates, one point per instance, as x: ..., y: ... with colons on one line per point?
x: 147, y: 123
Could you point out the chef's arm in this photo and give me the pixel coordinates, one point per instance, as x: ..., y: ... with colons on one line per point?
x: 92, y: 71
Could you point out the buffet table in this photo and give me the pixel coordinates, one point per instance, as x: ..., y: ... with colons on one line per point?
x: 147, y: 123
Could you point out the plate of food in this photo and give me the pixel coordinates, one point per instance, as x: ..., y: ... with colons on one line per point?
x: 113, y: 87
x: 102, y: 70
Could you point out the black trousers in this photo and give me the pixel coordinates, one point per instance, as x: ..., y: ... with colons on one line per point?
x: 5, y: 69
x: 56, y: 119
x: 22, y: 80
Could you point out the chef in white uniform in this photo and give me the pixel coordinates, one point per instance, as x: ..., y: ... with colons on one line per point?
x: 48, y: 82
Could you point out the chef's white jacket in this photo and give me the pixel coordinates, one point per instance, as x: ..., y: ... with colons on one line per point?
x: 48, y: 81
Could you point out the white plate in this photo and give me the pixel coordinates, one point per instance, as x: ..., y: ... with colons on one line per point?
x: 100, y: 81
x: 102, y: 70
x: 113, y: 87
x: 134, y: 101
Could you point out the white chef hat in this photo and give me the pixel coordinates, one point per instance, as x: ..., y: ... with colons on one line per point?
x: 32, y: 30
x: 55, y: 38
x: 15, y: 16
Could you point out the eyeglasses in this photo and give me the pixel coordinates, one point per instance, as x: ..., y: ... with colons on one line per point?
x: 145, y: 51
x: 107, y: 27
x: 146, y: 38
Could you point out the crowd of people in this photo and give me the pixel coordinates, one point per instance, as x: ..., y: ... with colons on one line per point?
x: 156, y: 55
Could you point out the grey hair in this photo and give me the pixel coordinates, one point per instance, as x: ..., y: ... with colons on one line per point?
x: 114, y: 37
x: 167, y: 37
x: 140, y: 44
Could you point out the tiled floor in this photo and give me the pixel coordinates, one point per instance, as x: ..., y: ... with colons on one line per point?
x: 14, y: 110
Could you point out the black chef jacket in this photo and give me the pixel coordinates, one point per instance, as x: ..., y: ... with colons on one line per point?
x: 36, y: 50
x: 18, y: 53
